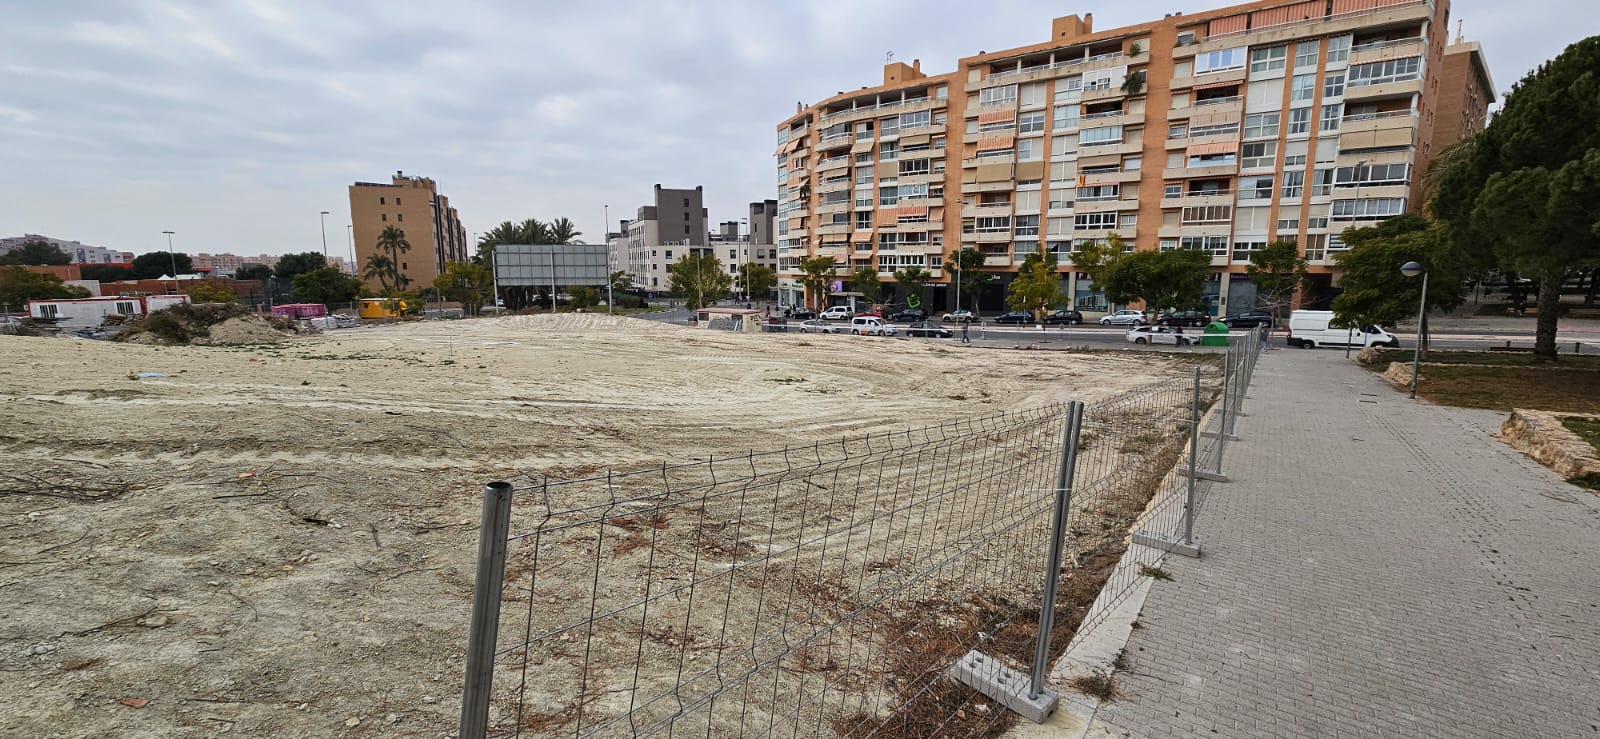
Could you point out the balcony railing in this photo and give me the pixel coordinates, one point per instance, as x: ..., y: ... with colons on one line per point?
x: 1377, y: 116
x: 1107, y: 114
x: 1218, y: 101
x: 1318, y: 19
x: 1057, y: 65
x: 879, y: 106
x: 1385, y: 44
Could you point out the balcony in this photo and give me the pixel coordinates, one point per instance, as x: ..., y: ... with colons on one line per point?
x: 922, y: 178
x: 968, y: 188
x: 974, y: 210
x: 1396, y: 88
x: 1211, y: 78
x: 1198, y: 199
x: 1002, y: 236
x: 1327, y: 25
x: 996, y: 260
x: 1190, y: 173
x: 832, y: 163
x: 1102, y: 94
x: 838, y: 207
x: 835, y: 228
x: 834, y: 186
x: 884, y: 108
x: 1369, y: 122
x: 1377, y: 51
x: 971, y: 162
x: 1217, y: 105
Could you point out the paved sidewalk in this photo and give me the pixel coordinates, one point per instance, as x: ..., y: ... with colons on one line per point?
x: 1378, y: 567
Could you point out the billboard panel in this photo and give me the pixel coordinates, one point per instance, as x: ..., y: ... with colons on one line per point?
x: 566, y: 265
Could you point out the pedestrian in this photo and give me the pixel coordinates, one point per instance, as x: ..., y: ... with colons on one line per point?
x: 965, y: 327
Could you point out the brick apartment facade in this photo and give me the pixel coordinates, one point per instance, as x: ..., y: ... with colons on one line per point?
x: 1217, y: 131
x: 413, y: 204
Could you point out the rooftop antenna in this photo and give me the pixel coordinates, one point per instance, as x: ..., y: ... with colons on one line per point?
x: 1459, y: 37
x: 888, y: 57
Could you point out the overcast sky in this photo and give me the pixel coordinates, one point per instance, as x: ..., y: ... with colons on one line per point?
x: 234, y: 122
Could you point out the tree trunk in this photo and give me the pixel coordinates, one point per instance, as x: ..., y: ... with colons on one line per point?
x: 1594, y: 282
x: 1549, y: 305
x: 1422, y: 336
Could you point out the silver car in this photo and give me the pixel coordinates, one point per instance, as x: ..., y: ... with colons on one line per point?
x: 818, y: 326
x: 1124, y: 318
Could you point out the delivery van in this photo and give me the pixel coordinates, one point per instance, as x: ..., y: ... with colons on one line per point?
x: 1309, y: 329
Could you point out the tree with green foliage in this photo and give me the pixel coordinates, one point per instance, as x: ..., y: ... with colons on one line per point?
x: 1526, y: 192
x: 252, y: 272
x: 1278, y: 270
x: 471, y: 285
x: 756, y: 280
x: 392, y: 242
x: 584, y: 297
x: 35, y: 253
x: 912, y: 280
x: 290, y: 265
x: 528, y: 231
x: 621, y: 281
x: 1375, y: 292
x: 206, y: 291
x: 698, y: 278
x: 865, y: 281
x: 326, y: 285
x: 815, y: 274
x: 379, y: 267
x: 18, y: 286
x: 105, y: 272
x: 1160, y: 279
x: 159, y: 263
x: 1037, y: 285
x: 966, y: 265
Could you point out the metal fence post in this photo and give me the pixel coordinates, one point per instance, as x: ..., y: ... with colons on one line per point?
x: 492, y: 533
x: 1058, y: 534
x: 1194, y: 460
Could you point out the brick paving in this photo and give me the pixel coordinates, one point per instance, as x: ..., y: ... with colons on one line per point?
x: 1378, y: 567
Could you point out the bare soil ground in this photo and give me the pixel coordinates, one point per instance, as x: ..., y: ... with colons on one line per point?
x: 279, y: 540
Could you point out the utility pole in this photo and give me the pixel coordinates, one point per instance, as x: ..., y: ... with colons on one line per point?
x: 605, y: 232
x: 173, y: 258
x: 324, y: 219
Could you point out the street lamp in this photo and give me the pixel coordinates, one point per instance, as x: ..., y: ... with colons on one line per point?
x: 324, y: 219
x: 1412, y: 269
x: 350, y: 240
x: 174, y: 259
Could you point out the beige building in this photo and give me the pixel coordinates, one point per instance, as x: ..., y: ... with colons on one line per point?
x: 1217, y: 131
x: 414, y: 205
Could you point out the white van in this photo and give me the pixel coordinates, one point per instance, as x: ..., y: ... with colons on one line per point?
x: 1309, y: 329
x: 871, y: 326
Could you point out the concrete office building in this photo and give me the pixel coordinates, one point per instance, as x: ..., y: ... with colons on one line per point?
x: 414, y: 205
x: 660, y: 234
x: 1219, y: 131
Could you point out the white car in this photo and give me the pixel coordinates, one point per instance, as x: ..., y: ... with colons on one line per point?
x: 1161, y: 335
x: 1124, y: 318
x: 837, y: 313
x: 817, y: 326
x: 959, y: 316
x: 871, y: 326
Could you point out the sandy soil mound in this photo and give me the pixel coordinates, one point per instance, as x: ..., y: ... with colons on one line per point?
x: 244, y: 330
x: 279, y: 540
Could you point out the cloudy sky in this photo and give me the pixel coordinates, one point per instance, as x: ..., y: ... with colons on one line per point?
x: 234, y: 122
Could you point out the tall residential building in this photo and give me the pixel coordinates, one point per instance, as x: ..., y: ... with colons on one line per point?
x: 413, y: 204
x: 661, y: 233
x: 1218, y: 131
x: 79, y: 252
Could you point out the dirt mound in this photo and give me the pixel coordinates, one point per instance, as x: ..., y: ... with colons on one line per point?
x: 207, y: 323
x: 574, y: 322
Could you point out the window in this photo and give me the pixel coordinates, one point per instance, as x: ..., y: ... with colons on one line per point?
x: 1177, y: 131
x: 1099, y: 192
x: 1030, y: 122
x: 1061, y: 146
x: 1066, y: 116
x: 992, y: 224
x: 1060, y: 198
x: 1027, y: 226
x: 888, y: 151
x: 383, y: 216
x: 1333, y: 85
x: 1303, y: 87
x: 1322, y: 182
x: 1032, y: 95
x: 1255, y: 188
x: 1185, y: 38
x: 1338, y: 49
x: 889, y: 127
x: 1128, y: 220
x: 1299, y: 121
x: 863, y: 128
x: 1069, y: 89
x: 1214, y: 130
x: 919, y: 190
x: 1305, y: 54
x: 1132, y: 164
x: 863, y: 200
x: 1330, y: 117
x: 863, y: 176
x: 1242, y: 249
x: 1258, y: 125
x: 1103, y: 79
x: 1214, y: 244
x: 1094, y: 221
x: 1259, y: 154
x: 1062, y: 171
x: 1251, y: 220
x: 1212, y: 160
x: 1172, y: 190
x: 1317, y: 222
x: 1294, y: 160
x: 1268, y: 59
x: 1288, y: 225
x: 997, y: 95
x: 888, y: 195
x: 1100, y: 136
x: 1059, y: 226
x: 400, y: 216
x: 1371, y: 209
x: 863, y: 220
x: 1293, y: 183
x: 916, y: 119
x: 1367, y: 175
x: 1392, y: 70
x: 380, y: 201
x: 1217, y: 61
x: 910, y: 167
x: 1207, y: 214
x: 1030, y: 149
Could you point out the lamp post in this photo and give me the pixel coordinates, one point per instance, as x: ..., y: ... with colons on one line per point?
x: 324, y: 219
x: 173, y: 258
x: 1412, y: 269
x: 605, y: 231
x: 350, y: 240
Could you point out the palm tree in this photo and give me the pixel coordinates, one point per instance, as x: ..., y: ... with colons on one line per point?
x: 379, y: 267
x: 562, y: 231
x: 393, y: 243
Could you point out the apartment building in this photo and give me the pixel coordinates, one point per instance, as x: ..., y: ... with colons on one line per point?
x: 413, y: 204
x: 1218, y: 131
x: 79, y: 252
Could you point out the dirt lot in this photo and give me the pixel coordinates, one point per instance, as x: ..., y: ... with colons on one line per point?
x: 279, y: 540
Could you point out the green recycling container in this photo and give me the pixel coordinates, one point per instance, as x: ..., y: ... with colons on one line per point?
x: 1216, y: 334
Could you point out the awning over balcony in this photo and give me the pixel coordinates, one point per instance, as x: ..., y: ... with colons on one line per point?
x: 861, y: 146
x: 920, y: 138
x: 996, y: 116
x: 911, y: 211
x: 996, y: 142
x: 994, y: 172
x: 1030, y: 170
x: 886, y: 216
x: 1215, y: 85
x: 1221, y: 147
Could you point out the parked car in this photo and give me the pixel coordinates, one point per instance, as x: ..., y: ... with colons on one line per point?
x: 1014, y: 317
x: 1309, y: 329
x: 1160, y: 335
x: 818, y: 326
x: 1124, y: 318
x: 837, y: 313
x: 910, y: 314
x: 929, y: 329
x: 1184, y: 318
x: 341, y: 320
x: 871, y: 326
x: 1248, y: 319
x: 801, y: 314
x: 1063, y: 316
x: 960, y: 316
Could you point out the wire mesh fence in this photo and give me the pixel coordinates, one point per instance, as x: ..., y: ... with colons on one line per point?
x: 825, y: 589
